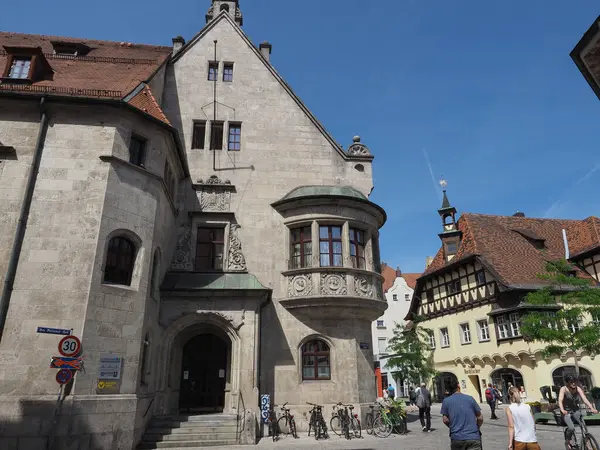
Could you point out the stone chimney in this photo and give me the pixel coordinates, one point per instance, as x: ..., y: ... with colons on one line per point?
x: 428, y: 261
x: 519, y: 214
x: 265, y: 50
x: 398, y: 272
x: 178, y: 43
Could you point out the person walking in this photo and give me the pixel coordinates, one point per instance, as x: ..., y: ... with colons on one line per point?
x: 424, y: 404
x: 521, y: 426
x: 462, y: 415
x: 391, y: 392
x: 490, y: 398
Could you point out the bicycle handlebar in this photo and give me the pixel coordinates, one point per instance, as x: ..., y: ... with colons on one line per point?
x: 313, y: 404
x: 283, y: 406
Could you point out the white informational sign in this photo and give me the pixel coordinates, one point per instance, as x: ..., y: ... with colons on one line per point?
x: 186, y: 374
x: 221, y: 373
x: 110, y: 367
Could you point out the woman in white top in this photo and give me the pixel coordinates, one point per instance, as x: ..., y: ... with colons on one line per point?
x: 521, y: 426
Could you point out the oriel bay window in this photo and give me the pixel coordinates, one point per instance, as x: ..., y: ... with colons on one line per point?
x: 315, y: 361
x: 330, y: 246
x: 508, y: 326
x: 301, y: 247
x: 210, y: 246
x: 357, y: 248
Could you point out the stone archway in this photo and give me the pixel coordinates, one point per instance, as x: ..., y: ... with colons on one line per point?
x: 180, y: 333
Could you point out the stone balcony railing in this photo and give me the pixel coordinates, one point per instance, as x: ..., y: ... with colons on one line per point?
x: 330, y: 292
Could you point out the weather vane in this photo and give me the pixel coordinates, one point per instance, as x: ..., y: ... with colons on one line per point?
x: 443, y: 183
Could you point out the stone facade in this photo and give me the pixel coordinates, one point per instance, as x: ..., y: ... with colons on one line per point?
x: 257, y: 303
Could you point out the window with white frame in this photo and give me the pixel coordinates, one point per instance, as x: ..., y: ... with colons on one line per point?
x: 395, y: 297
x: 432, y: 341
x: 574, y: 325
x: 503, y: 328
x: 444, y: 337
x: 380, y: 324
x: 465, y: 333
x: 382, y: 346
x: 515, y: 324
x: 484, y: 330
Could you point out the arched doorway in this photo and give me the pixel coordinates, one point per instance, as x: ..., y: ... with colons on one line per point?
x: 442, y: 383
x: 559, y: 374
x: 505, y: 378
x: 203, y: 374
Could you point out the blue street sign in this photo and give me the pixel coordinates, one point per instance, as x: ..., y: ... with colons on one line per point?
x: 47, y: 330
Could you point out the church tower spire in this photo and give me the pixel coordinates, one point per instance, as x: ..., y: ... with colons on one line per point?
x: 230, y: 6
x: 450, y: 235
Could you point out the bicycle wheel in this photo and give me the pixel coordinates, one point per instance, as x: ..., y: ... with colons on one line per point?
x: 283, y: 425
x: 382, y: 428
x: 401, y: 426
x: 590, y: 442
x: 324, y: 429
x: 346, y: 428
x: 335, y: 425
x: 317, y: 430
x: 355, y: 425
x: 293, y: 428
x: 369, y: 423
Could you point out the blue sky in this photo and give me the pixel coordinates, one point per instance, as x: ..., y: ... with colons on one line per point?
x: 484, y: 90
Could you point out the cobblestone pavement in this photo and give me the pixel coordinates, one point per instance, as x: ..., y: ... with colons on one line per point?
x: 495, y: 437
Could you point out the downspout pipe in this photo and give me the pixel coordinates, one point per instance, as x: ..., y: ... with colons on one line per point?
x: 13, y: 262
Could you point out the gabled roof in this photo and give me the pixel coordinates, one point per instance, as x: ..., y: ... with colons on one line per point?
x: 584, y: 236
x: 109, y: 70
x: 143, y: 99
x: 223, y: 15
x: 503, y: 244
x: 390, y: 275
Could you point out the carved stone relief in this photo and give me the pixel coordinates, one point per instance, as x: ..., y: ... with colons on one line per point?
x: 358, y: 149
x: 215, y: 194
x: 363, y: 287
x: 334, y: 284
x: 182, y: 258
x: 235, y: 259
x: 300, y: 285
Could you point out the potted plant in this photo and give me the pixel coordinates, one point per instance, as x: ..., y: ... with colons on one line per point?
x: 536, y: 407
x: 596, y: 396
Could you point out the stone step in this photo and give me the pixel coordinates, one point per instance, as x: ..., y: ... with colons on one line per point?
x: 197, y: 418
x: 188, y: 445
x: 175, y: 424
x: 198, y: 437
x: 193, y: 430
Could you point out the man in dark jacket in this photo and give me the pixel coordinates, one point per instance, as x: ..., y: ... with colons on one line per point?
x: 424, y: 404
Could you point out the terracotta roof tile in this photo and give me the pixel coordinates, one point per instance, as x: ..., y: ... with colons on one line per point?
x: 411, y: 279
x: 145, y: 101
x: 109, y: 70
x: 500, y: 241
x: 389, y: 275
x: 583, y: 236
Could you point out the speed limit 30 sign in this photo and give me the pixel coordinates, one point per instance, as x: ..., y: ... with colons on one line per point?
x: 69, y: 346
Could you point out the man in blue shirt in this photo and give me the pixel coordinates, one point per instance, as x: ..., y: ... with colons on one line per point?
x: 462, y: 415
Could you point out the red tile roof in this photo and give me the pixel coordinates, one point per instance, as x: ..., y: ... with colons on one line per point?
x: 389, y: 275
x: 109, y: 70
x: 411, y: 279
x: 145, y: 101
x: 583, y: 236
x: 500, y: 242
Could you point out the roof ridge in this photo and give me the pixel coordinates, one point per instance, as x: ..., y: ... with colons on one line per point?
x: 522, y: 218
x: 71, y: 38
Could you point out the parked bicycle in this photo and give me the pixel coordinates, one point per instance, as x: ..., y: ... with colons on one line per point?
x: 371, y: 417
x: 589, y: 441
x: 273, y: 425
x: 390, y: 418
x: 316, y: 422
x: 344, y: 422
x: 286, y: 423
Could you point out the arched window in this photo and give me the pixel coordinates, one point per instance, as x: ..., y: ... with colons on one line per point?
x: 585, y: 377
x: 145, y: 371
x: 155, y: 278
x: 315, y: 361
x: 120, y: 258
x: 225, y: 7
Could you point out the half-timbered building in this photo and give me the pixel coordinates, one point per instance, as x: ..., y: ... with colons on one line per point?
x: 472, y: 297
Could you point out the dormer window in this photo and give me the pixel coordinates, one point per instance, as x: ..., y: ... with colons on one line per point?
x: 25, y: 64
x: 70, y: 48
x: 19, y: 68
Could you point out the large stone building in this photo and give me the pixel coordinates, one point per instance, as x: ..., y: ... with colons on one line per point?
x: 398, y: 290
x: 472, y: 297
x: 183, y: 212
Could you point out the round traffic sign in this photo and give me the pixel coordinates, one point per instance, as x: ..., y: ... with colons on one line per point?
x: 63, y: 376
x: 69, y: 346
